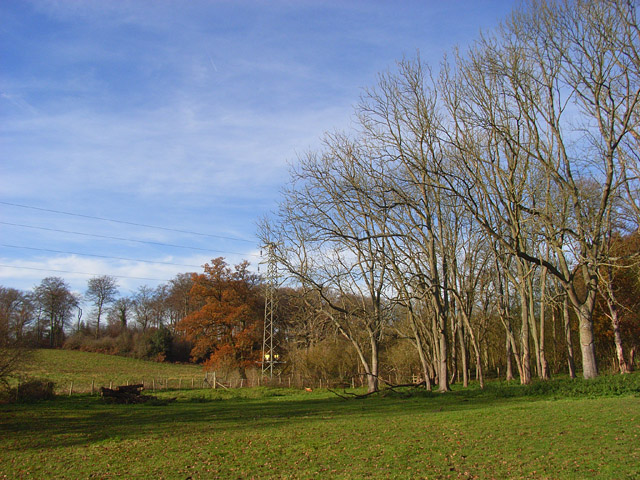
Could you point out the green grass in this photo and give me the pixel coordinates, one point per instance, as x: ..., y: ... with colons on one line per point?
x: 82, y: 368
x: 573, y: 429
x: 268, y: 433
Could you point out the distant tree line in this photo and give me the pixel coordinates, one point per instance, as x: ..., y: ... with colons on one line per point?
x: 51, y: 315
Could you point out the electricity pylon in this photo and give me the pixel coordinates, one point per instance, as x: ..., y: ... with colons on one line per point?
x: 269, y: 355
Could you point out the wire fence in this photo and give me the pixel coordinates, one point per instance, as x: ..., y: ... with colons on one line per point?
x: 209, y: 380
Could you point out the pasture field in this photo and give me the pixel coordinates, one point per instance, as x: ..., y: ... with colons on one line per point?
x: 84, y: 368
x: 558, y: 429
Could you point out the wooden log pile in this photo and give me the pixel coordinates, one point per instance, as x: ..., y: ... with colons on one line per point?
x: 127, y: 394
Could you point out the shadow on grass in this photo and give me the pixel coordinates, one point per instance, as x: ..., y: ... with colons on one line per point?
x: 83, y: 420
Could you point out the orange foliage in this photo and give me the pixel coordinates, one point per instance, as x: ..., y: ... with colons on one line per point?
x: 227, y: 327
x: 625, y: 281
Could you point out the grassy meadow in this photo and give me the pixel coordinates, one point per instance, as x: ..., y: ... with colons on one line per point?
x: 560, y: 429
x: 85, y: 368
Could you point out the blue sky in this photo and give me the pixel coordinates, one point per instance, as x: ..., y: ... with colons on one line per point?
x: 182, y: 115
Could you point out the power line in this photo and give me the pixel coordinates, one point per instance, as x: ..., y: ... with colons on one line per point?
x: 147, y: 242
x: 100, y: 256
x: 81, y: 273
x: 104, y: 219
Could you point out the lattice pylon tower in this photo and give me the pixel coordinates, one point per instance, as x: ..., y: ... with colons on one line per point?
x: 270, y: 303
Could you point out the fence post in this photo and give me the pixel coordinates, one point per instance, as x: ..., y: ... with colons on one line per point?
x: 153, y: 382
x: 214, y: 380
x: 92, y: 385
x: 71, y: 388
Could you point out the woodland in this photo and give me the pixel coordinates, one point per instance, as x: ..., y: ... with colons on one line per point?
x: 479, y: 220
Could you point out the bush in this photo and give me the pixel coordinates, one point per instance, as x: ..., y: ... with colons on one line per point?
x: 154, y: 344
x: 11, y: 358
x: 602, y: 386
x: 400, y: 361
x: 88, y: 343
x: 30, y: 391
x: 180, y: 350
x: 327, y: 360
x: 223, y: 362
x: 160, y: 341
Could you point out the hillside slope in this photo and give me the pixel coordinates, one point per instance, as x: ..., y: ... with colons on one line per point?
x: 86, y: 368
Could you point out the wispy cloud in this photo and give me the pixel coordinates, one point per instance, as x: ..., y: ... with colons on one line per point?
x: 182, y: 114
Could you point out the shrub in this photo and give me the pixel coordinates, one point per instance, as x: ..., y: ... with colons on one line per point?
x: 11, y: 358
x: 224, y: 362
x: 154, y: 344
x: 400, y: 361
x: 31, y: 391
x: 180, y: 350
x: 328, y: 359
x: 160, y: 341
x: 87, y: 343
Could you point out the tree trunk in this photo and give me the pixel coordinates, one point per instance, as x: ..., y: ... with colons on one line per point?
x: 443, y: 380
x: 525, y: 371
x: 617, y: 339
x: 52, y: 330
x: 587, y: 345
x: 508, y: 358
x: 463, y: 355
x: 476, y: 348
x: 532, y: 325
x: 421, y: 355
x: 544, y: 365
x: 98, y: 321
x: 615, y: 325
x: 453, y: 371
x: 567, y: 335
x: 372, y: 377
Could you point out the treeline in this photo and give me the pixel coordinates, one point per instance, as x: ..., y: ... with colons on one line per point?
x: 216, y: 319
x: 141, y: 325
x: 482, y: 220
x: 494, y: 202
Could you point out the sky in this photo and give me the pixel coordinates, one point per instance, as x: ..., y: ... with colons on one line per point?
x: 143, y: 138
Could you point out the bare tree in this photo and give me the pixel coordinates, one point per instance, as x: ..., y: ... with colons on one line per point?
x: 102, y: 292
x: 524, y: 144
x: 326, y: 238
x: 57, y: 303
x: 178, y: 301
x: 121, y: 312
x: 550, y: 97
x: 16, y: 313
x: 143, y: 306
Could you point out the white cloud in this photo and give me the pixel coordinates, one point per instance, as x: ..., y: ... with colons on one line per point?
x: 182, y: 115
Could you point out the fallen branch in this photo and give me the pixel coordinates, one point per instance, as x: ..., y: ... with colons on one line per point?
x: 390, y: 387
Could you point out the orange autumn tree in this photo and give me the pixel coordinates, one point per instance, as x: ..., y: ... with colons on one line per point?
x: 226, y: 328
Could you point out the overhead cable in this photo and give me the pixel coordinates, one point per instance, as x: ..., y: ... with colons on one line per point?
x: 81, y: 273
x: 147, y: 242
x: 104, y: 219
x: 100, y: 256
